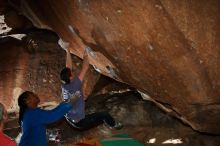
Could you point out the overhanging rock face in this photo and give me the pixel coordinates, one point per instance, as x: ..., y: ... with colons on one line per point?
x: 168, y: 50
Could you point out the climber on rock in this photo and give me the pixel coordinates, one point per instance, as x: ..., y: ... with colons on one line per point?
x: 71, y: 85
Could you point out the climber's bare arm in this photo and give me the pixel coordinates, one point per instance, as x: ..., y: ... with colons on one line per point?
x: 69, y: 63
x: 85, y: 66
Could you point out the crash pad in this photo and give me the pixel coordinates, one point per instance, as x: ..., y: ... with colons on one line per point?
x: 120, y: 140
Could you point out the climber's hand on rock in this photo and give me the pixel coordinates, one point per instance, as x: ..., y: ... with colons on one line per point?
x: 64, y: 45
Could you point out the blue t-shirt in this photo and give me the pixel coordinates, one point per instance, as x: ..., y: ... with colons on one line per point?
x: 34, y: 124
x: 77, y: 113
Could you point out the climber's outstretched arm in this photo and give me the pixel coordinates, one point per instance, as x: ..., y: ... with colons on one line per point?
x: 85, y: 66
x: 69, y: 63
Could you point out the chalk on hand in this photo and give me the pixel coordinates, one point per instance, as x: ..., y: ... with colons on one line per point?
x: 63, y: 44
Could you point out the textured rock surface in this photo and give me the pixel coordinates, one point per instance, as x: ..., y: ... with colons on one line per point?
x: 30, y: 68
x: 12, y: 61
x: 34, y: 64
x: 165, y: 49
